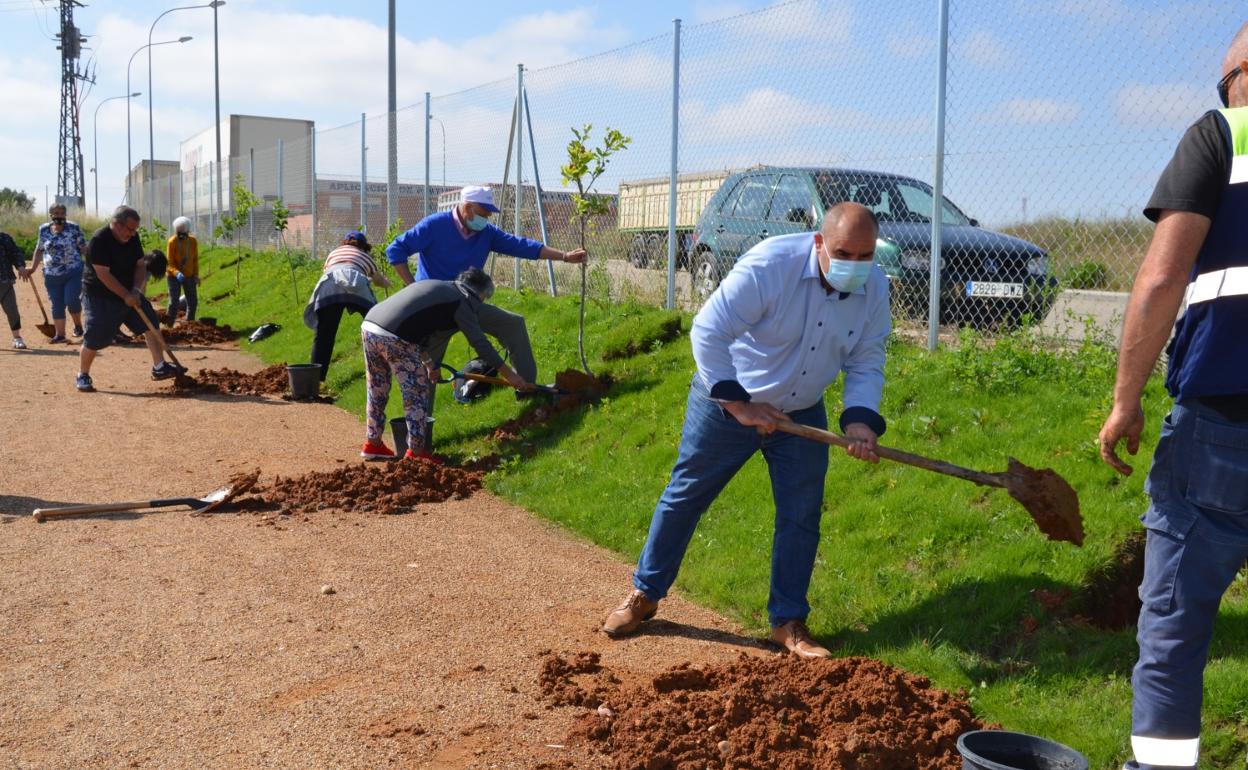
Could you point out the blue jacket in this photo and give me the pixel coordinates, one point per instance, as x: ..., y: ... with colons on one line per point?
x: 445, y: 253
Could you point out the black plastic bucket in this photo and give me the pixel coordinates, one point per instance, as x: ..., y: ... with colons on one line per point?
x: 398, y: 429
x: 305, y: 380
x: 1001, y: 750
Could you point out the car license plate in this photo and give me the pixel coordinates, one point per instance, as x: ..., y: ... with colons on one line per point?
x: 993, y: 289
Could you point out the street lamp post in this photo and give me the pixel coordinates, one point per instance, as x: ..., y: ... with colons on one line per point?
x: 151, y: 134
x: 95, y: 144
x: 129, y: 162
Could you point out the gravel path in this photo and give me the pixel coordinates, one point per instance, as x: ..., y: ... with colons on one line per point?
x: 160, y: 640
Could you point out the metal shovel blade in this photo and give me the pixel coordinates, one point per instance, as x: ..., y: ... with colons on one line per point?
x: 237, y: 486
x: 1049, y: 498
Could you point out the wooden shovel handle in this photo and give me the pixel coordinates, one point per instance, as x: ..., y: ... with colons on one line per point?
x: 41, y: 514
x: 39, y: 300
x: 896, y: 455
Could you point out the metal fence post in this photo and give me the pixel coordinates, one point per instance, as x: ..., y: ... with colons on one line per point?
x: 519, y: 156
x: 671, y: 195
x: 251, y: 188
x: 938, y: 182
x: 212, y: 224
x: 312, y: 141
x: 537, y: 194
x: 363, y: 174
x: 195, y: 194
x: 281, y: 179
x: 428, y: 114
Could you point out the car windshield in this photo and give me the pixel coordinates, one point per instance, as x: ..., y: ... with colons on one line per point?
x: 893, y: 199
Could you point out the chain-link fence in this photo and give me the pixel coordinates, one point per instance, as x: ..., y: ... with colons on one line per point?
x: 1058, y: 118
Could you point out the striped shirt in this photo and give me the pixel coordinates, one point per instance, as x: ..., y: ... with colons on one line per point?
x: 350, y: 256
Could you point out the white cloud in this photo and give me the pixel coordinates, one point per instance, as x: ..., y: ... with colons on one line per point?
x: 981, y: 48
x: 911, y: 46
x: 1037, y: 111
x: 1165, y: 106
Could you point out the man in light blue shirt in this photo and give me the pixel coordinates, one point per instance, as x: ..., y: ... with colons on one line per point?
x: 795, y: 312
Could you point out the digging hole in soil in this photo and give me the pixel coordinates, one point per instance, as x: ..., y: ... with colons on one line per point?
x: 578, y: 388
x: 778, y: 711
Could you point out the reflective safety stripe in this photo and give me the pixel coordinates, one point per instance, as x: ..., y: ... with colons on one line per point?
x: 1231, y: 282
x: 1165, y: 751
x: 1239, y: 169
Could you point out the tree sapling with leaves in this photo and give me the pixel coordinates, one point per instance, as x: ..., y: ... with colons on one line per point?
x: 585, y: 164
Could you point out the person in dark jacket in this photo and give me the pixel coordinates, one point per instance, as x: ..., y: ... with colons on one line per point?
x: 12, y: 265
x: 398, y: 333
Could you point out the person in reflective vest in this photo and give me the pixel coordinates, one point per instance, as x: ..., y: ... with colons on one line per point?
x: 1197, y: 519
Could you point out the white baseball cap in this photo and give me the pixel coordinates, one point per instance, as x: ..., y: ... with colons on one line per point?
x: 482, y: 196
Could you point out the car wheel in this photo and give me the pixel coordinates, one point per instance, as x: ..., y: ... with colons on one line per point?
x: 705, y: 275
x: 656, y: 250
x: 638, y: 252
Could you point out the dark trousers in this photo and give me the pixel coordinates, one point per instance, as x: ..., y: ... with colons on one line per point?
x: 327, y: 320
x: 176, y: 288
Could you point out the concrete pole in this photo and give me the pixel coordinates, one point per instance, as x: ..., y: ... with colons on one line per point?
x: 363, y: 174
x: 428, y: 115
x: 938, y: 182
x: 392, y: 154
x: 312, y: 140
x: 671, y: 194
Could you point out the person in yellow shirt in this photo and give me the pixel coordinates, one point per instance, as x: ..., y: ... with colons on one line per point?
x: 183, y: 272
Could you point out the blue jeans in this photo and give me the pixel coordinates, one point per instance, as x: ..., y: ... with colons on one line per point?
x: 1197, y: 541
x: 64, y: 291
x: 713, y: 447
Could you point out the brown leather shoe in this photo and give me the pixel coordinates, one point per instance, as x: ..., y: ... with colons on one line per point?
x: 795, y: 637
x: 632, y: 612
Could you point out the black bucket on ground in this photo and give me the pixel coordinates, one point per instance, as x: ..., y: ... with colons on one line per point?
x: 305, y: 380
x: 398, y: 429
x: 1001, y: 750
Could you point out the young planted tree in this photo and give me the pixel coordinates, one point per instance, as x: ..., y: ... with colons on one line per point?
x: 232, y: 224
x: 585, y: 164
x: 281, y: 217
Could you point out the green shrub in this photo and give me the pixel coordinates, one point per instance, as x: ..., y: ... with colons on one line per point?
x: 1088, y: 274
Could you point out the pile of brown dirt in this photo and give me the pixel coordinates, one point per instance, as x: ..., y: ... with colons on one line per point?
x: 270, y: 381
x: 839, y: 714
x: 383, y: 488
x: 200, y: 333
x: 579, y: 389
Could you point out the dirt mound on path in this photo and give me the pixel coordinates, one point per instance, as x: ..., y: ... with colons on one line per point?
x: 840, y: 714
x: 200, y: 333
x: 383, y: 488
x: 270, y: 381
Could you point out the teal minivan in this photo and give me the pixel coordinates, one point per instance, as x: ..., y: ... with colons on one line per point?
x: 986, y: 278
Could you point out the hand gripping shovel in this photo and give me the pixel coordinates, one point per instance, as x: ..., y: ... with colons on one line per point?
x: 199, y: 505
x: 548, y: 390
x: 1050, y: 500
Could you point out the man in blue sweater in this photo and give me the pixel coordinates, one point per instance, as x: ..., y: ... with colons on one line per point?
x: 450, y: 242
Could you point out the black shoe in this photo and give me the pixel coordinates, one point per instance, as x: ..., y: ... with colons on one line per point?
x: 165, y: 371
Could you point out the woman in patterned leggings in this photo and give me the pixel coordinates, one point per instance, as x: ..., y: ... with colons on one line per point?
x: 399, y: 330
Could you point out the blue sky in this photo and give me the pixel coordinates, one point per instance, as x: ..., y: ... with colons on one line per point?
x: 1055, y: 106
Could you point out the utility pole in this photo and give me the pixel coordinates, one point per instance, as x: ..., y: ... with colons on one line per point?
x: 70, y: 180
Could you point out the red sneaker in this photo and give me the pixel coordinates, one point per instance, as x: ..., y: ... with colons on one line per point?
x: 425, y: 455
x: 376, y: 450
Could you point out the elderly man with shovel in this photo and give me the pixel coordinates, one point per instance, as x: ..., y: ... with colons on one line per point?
x: 795, y: 312
x: 112, y: 295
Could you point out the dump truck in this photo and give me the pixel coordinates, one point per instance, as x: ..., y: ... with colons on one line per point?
x: 643, y: 209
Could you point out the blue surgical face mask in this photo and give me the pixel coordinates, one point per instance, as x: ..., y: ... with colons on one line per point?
x: 478, y: 223
x: 847, y: 274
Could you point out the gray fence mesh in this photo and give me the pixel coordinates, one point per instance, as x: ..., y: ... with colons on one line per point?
x: 1060, y: 116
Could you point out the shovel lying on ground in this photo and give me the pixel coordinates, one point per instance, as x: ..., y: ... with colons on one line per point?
x: 1050, y: 500
x: 46, y: 328
x: 160, y: 340
x: 199, y: 505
